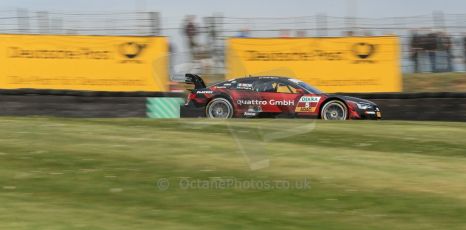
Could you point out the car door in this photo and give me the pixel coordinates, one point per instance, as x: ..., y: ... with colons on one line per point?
x: 277, y: 96
x: 245, y: 99
x: 309, y: 98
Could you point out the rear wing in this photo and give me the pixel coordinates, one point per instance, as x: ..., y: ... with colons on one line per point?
x: 195, y: 80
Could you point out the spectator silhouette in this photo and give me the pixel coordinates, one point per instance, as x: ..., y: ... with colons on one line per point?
x: 191, y: 32
x: 415, y: 50
x: 445, y: 44
x: 431, y: 44
x: 244, y: 33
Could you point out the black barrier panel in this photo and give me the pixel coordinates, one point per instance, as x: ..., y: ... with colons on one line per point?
x: 406, y: 95
x: 72, y: 106
x: 411, y: 106
x: 423, y: 109
x: 443, y: 106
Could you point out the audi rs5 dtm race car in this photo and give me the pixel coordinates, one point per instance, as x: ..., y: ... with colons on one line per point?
x: 271, y: 97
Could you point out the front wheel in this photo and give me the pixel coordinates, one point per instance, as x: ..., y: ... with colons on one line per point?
x: 219, y: 108
x: 334, y: 110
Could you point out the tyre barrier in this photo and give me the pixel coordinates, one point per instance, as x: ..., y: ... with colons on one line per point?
x: 395, y: 106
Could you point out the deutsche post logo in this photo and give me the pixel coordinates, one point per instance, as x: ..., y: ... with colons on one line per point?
x: 364, y: 51
x: 131, y: 51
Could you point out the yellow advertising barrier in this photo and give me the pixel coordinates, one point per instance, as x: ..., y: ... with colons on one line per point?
x: 347, y: 64
x: 96, y: 63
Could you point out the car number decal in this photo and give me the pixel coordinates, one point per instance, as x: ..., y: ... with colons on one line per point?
x: 307, y: 104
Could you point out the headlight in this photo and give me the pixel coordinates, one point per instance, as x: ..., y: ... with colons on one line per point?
x: 363, y: 106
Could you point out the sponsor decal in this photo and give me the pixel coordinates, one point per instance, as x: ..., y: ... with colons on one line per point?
x: 264, y: 102
x: 307, y: 104
x: 131, y: 51
x: 268, y: 77
x: 306, y: 110
x: 250, y: 114
x: 313, y: 55
x: 84, y: 63
x: 309, y: 99
x: 80, y: 53
x: 255, y: 109
x: 204, y: 92
x: 244, y: 86
x: 363, y: 52
x: 376, y: 60
x: 285, y: 102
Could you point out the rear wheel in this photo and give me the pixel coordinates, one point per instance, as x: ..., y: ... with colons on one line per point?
x: 334, y: 110
x: 219, y: 108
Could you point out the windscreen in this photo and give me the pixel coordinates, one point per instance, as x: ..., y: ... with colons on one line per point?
x: 306, y: 86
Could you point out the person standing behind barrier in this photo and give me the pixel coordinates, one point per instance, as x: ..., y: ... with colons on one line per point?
x: 301, y: 33
x: 244, y: 33
x: 446, y: 45
x: 464, y: 51
x: 191, y: 32
x: 430, y: 43
x: 285, y: 33
x: 415, y: 50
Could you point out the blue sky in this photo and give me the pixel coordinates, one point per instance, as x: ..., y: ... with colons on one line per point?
x: 248, y: 8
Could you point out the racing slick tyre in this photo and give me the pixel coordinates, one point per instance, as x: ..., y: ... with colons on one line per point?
x: 219, y: 108
x: 334, y: 110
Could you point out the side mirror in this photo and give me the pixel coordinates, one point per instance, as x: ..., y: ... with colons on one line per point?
x: 300, y: 91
